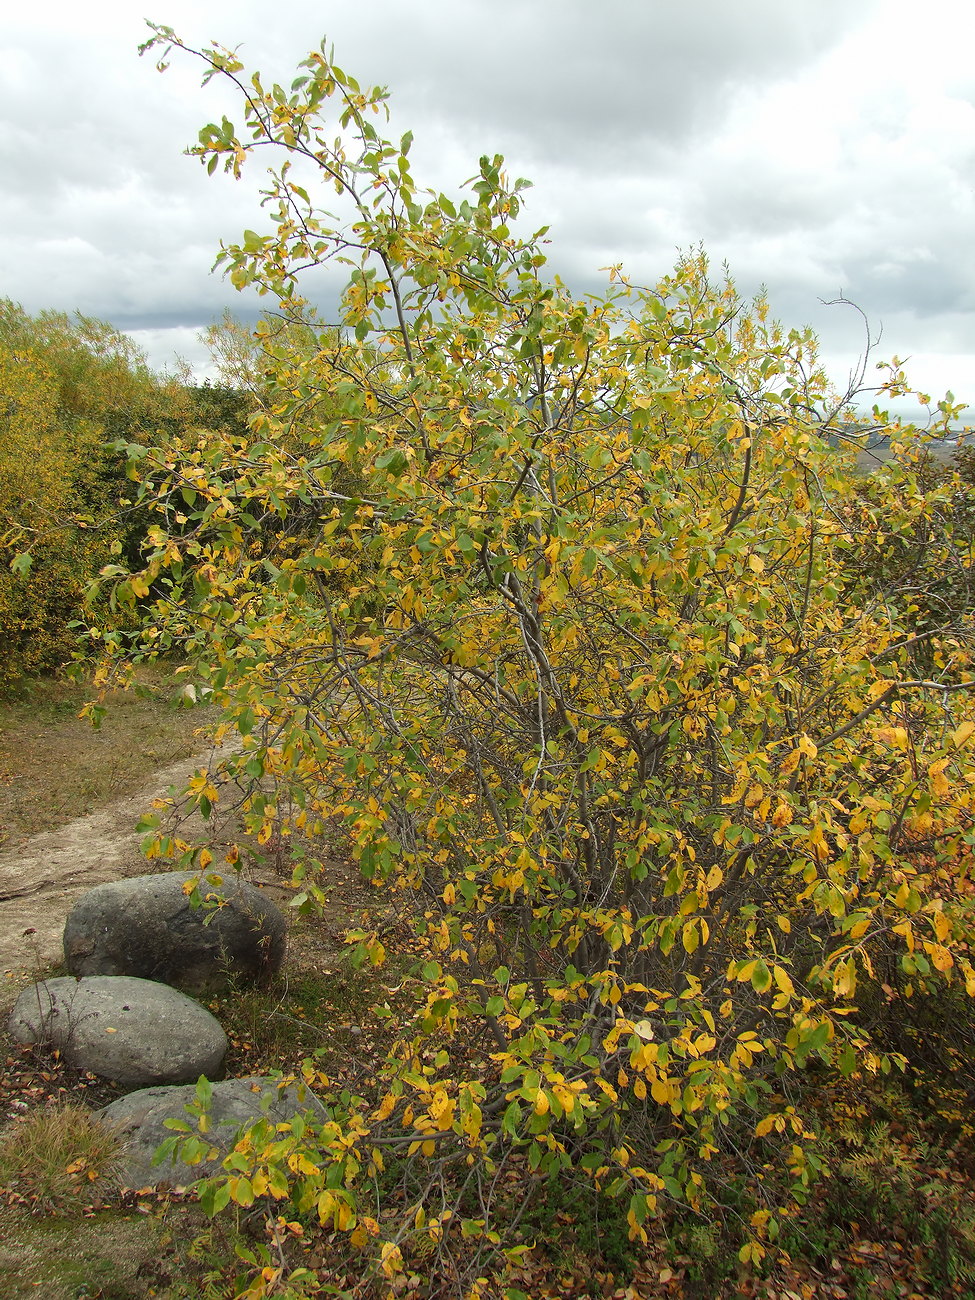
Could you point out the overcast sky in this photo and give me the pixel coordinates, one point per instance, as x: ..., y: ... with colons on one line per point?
x: 820, y: 147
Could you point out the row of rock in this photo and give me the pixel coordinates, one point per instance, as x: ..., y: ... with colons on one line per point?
x: 135, y: 949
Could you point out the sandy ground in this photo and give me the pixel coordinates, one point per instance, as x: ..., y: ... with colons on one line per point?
x: 41, y: 877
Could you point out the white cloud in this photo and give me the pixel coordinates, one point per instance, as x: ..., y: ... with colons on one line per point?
x: 169, y: 349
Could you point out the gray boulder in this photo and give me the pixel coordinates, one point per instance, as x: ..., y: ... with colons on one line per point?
x: 146, y: 926
x: 141, y: 1118
x: 129, y: 1030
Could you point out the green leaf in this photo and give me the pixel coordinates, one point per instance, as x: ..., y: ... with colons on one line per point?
x: 847, y: 1060
x: 394, y: 462
x: 511, y: 1119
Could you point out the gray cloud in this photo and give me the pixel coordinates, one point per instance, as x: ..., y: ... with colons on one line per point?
x: 796, y: 140
x: 561, y: 77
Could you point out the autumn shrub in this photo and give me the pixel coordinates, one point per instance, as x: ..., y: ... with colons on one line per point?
x: 69, y: 389
x: 34, y: 488
x: 916, y: 555
x: 646, y: 758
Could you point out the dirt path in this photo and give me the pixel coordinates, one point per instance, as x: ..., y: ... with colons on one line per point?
x: 41, y: 877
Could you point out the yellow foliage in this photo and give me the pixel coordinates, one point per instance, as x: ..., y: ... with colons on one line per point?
x: 616, y: 711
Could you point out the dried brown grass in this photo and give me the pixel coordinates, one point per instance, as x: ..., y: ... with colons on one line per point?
x: 54, y: 767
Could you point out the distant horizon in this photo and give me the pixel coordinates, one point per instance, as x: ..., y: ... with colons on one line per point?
x: 163, y: 353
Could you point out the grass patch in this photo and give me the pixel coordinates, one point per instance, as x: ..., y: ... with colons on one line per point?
x: 54, y: 767
x: 59, y: 1159
x: 130, y: 1252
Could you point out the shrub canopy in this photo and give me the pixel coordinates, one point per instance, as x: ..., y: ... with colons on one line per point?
x: 563, y: 618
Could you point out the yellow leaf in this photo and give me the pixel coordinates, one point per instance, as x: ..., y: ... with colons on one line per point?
x: 391, y: 1259
x: 567, y: 1097
x: 756, y: 564
x: 941, y: 958
x: 896, y: 737
x: 386, y: 1108
x: 782, y: 815
x: 807, y: 747
x: 937, y: 781
x: 906, y: 931
x: 844, y: 979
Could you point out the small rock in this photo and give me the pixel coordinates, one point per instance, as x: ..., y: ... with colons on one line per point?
x: 132, y: 1031
x: 141, y: 1117
x: 146, y: 926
